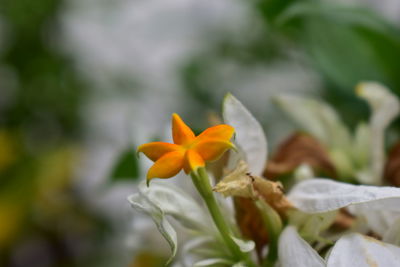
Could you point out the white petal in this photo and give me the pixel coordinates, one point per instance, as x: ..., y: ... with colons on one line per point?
x: 204, y: 246
x: 161, y: 199
x: 142, y: 204
x: 303, y: 172
x: 250, y: 136
x: 384, y: 104
x: 213, y: 262
x: 311, y: 225
x: 360, y: 149
x: 176, y: 203
x: 194, y: 243
x: 377, y: 220
x: 244, y: 245
x: 317, y: 118
x: 320, y: 195
x: 294, y: 251
x: 385, y: 107
x: 392, y: 234
x: 240, y: 264
x: 358, y: 251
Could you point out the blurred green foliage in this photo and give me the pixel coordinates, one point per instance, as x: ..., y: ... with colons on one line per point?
x: 344, y: 44
x: 126, y: 167
x: 38, y: 202
x: 48, y: 93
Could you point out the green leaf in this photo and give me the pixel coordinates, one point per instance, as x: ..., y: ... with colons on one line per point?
x: 346, y: 44
x: 335, y: 13
x: 126, y: 167
x: 273, y: 224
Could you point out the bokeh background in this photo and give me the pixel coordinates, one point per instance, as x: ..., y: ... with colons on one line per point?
x: 83, y: 82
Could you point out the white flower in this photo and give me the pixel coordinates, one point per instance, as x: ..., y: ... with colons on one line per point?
x: 360, y: 156
x: 163, y: 200
x: 379, y: 206
x: 350, y: 250
x: 317, y: 202
x: 320, y: 199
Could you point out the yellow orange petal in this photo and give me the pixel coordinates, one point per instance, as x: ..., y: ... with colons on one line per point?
x: 181, y: 133
x: 156, y: 150
x: 167, y: 166
x: 212, y: 149
x: 193, y: 161
x: 223, y: 132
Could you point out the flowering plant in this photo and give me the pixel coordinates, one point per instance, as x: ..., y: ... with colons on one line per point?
x: 330, y: 221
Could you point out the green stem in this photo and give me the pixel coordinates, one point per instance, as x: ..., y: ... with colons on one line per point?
x: 273, y: 223
x: 202, y: 184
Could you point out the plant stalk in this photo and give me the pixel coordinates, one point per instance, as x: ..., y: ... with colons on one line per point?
x: 273, y: 223
x: 203, y: 186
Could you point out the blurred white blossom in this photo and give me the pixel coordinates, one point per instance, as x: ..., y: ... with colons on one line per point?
x: 361, y: 155
x: 350, y: 250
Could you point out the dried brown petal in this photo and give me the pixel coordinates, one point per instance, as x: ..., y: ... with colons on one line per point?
x: 248, y: 216
x: 245, y: 188
x: 344, y: 220
x: 298, y: 149
x: 240, y: 183
x: 273, y: 194
x: 250, y: 223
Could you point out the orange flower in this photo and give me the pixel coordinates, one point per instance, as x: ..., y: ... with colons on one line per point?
x: 189, y: 152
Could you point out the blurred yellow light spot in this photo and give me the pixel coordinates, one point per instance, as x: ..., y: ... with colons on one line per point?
x: 8, y: 151
x: 11, y: 215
